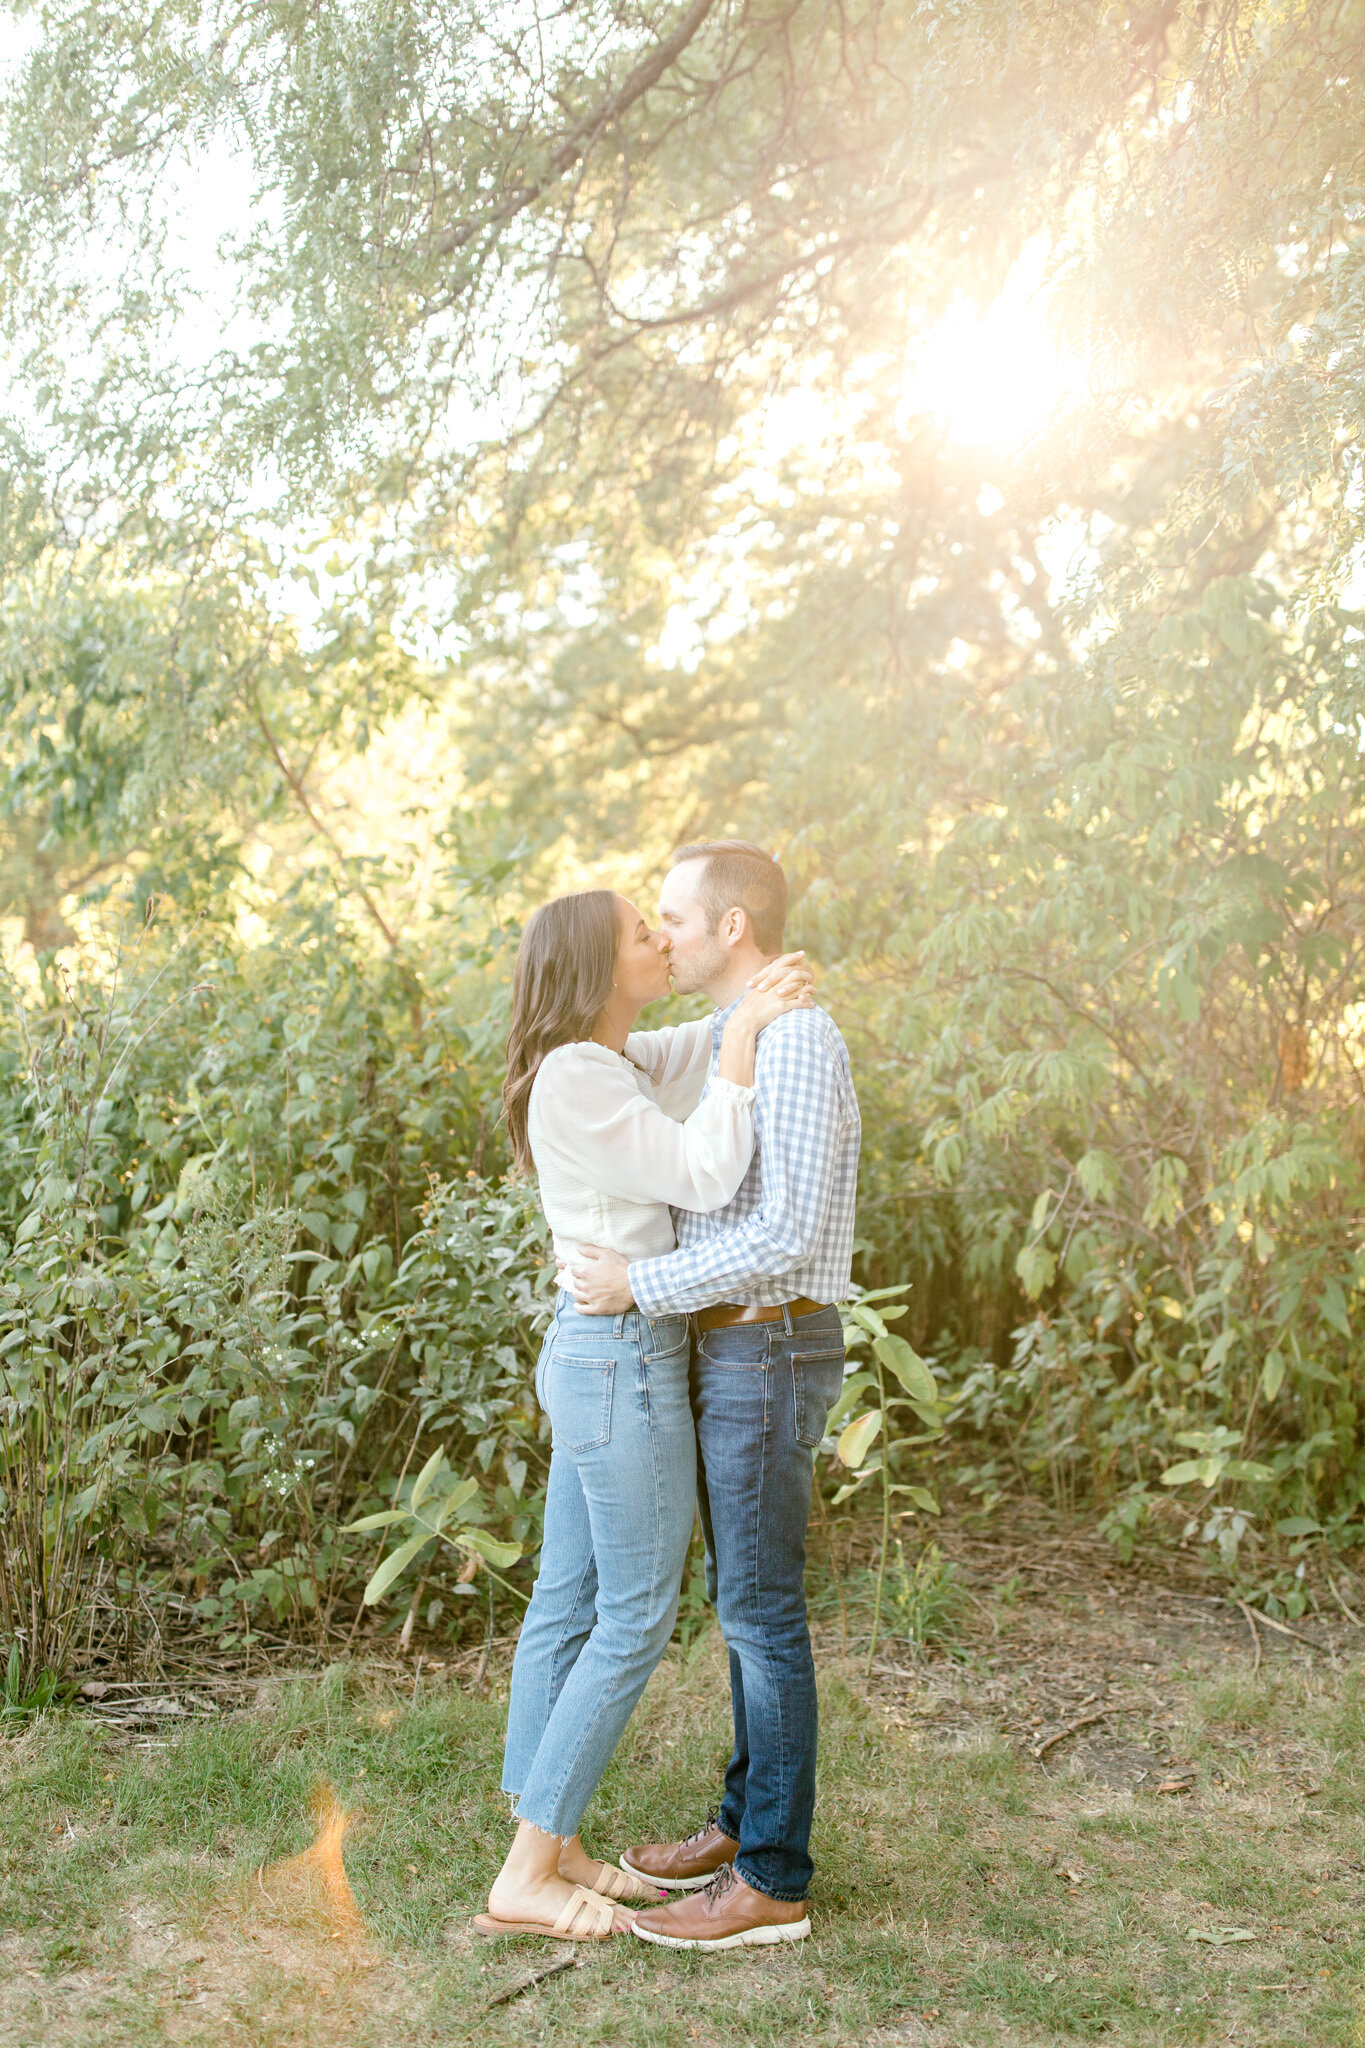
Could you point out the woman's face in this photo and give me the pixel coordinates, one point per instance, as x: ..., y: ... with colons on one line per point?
x: 641, y: 957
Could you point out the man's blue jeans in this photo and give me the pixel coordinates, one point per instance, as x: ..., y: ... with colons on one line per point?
x: 760, y: 1395
x: 618, y: 1520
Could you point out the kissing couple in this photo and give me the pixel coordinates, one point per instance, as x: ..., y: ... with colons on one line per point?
x: 699, y: 1182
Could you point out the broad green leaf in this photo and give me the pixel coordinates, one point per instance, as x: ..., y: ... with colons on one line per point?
x: 848, y: 1394
x: 922, y: 1498
x: 1247, y: 1468
x: 1272, y: 1374
x: 869, y: 1319
x: 1185, y: 995
x: 1184, y: 1473
x: 1298, y: 1525
x: 393, y: 1565
x: 424, y: 1478
x: 1037, y: 1268
x: 858, y: 1438
x: 1098, y: 1175
x: 909, y: 1368
x: 384, y: 1521
x: 1219, y: 1350
x: 488, y: 1547
x: 1332, y: 1307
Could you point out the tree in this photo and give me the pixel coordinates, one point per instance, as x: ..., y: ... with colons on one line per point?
x: 587, y: 332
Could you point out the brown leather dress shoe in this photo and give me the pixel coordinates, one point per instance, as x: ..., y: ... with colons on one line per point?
x: 683, y: 1866
x: 728, y: 1914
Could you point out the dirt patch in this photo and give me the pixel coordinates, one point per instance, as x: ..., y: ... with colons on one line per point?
x: 1083, y: 1664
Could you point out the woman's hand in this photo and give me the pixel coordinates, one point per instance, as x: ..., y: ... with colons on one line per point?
x: 790, y: 971
x: 760, y: 1007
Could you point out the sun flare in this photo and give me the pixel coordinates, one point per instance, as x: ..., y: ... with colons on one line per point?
x: 993, y: 377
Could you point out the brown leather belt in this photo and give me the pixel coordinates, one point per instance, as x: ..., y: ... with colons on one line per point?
x: 726, y: 1314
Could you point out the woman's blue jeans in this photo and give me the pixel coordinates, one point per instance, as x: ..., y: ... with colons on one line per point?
x: 618, y: 1519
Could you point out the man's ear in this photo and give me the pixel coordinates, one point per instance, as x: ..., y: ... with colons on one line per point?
x: 733, y: 926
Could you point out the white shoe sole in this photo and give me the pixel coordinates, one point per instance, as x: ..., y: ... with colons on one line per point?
x: 752, y: 1937
x: 667, y: 1884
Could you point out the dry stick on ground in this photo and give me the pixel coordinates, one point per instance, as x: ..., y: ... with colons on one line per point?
x: 1086, y: 1721
x: 1354, y: 1619
x: 1282, y: 1628
x: 536, y: 1977
x: 1255, y: 1635
x: 488, y: 1646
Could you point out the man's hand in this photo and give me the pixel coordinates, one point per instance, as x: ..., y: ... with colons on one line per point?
x: 600, y: 1282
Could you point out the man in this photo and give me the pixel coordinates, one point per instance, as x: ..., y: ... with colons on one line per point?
x: 758, y: 1278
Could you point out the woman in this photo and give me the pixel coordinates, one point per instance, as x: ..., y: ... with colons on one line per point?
x: 622, y: 1489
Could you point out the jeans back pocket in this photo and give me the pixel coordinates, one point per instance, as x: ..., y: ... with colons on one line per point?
x: 576, y: 1390
x: 816, y: 1379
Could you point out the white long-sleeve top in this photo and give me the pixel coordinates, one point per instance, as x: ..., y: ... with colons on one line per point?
x: 618, y: 1141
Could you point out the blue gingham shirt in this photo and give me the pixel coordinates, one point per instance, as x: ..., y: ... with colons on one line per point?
x: 789, y: 1230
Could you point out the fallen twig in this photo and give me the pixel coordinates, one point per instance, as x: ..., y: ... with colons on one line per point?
x: 536, y: 1977
x: 1255, y: 1635
x: 1354, y: 1619
x: 1041, y: 1749
x: 1282, y: 1628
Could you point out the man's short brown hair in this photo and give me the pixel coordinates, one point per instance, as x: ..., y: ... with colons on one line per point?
x: 741, y: 876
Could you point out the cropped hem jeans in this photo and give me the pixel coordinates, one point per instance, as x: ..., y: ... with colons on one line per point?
x: 618, y: 1518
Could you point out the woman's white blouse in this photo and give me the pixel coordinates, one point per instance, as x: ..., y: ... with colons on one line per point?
x: 611, y: 1152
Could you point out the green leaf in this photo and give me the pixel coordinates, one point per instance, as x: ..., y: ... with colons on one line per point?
x: 1098, y: 1175
x: 1272, y: 1375
x: 858, y: 1438
x: 869, y: 1319
x: 848, y: 1394
x: 395, y: 1563
x: 1037, y: 1268
x: 1298, y: 1525
x: 488, y: 1547
x: 1184, y: 994
x: 1247, y: 1468
x: 922, y: 1498
x: 1332, y: 1307
x: 384, y: 1521
x: 909, y: 1368
x: 1219, y: 1350
x: 424, y: 1478
x: 1182, y: 1474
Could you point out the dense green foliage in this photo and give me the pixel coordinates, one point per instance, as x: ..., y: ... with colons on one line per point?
x: 561, y: 372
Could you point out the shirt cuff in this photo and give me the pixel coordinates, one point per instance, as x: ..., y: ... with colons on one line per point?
x: 743, y: 1096
x: 641, y: 1274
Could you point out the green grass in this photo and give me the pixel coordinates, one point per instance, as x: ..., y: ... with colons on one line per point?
x: 962, y: 1897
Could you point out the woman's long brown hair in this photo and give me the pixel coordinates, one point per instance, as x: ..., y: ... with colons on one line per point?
x: 560, y: 985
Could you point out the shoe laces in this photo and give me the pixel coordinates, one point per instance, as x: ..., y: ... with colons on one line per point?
x: 722, y: 1881
x: 712, y: 1817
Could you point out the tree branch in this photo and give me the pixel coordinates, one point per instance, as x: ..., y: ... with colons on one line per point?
x: 302, y: 799
x: 584, y: 133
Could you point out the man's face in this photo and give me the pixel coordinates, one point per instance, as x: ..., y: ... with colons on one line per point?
x: 697, y: 956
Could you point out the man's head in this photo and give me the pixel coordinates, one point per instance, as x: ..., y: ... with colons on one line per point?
x: 722, y: 909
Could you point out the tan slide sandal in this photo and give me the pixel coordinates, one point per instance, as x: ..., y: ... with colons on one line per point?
x: 586, y: 1917
x: 624, y: 1884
